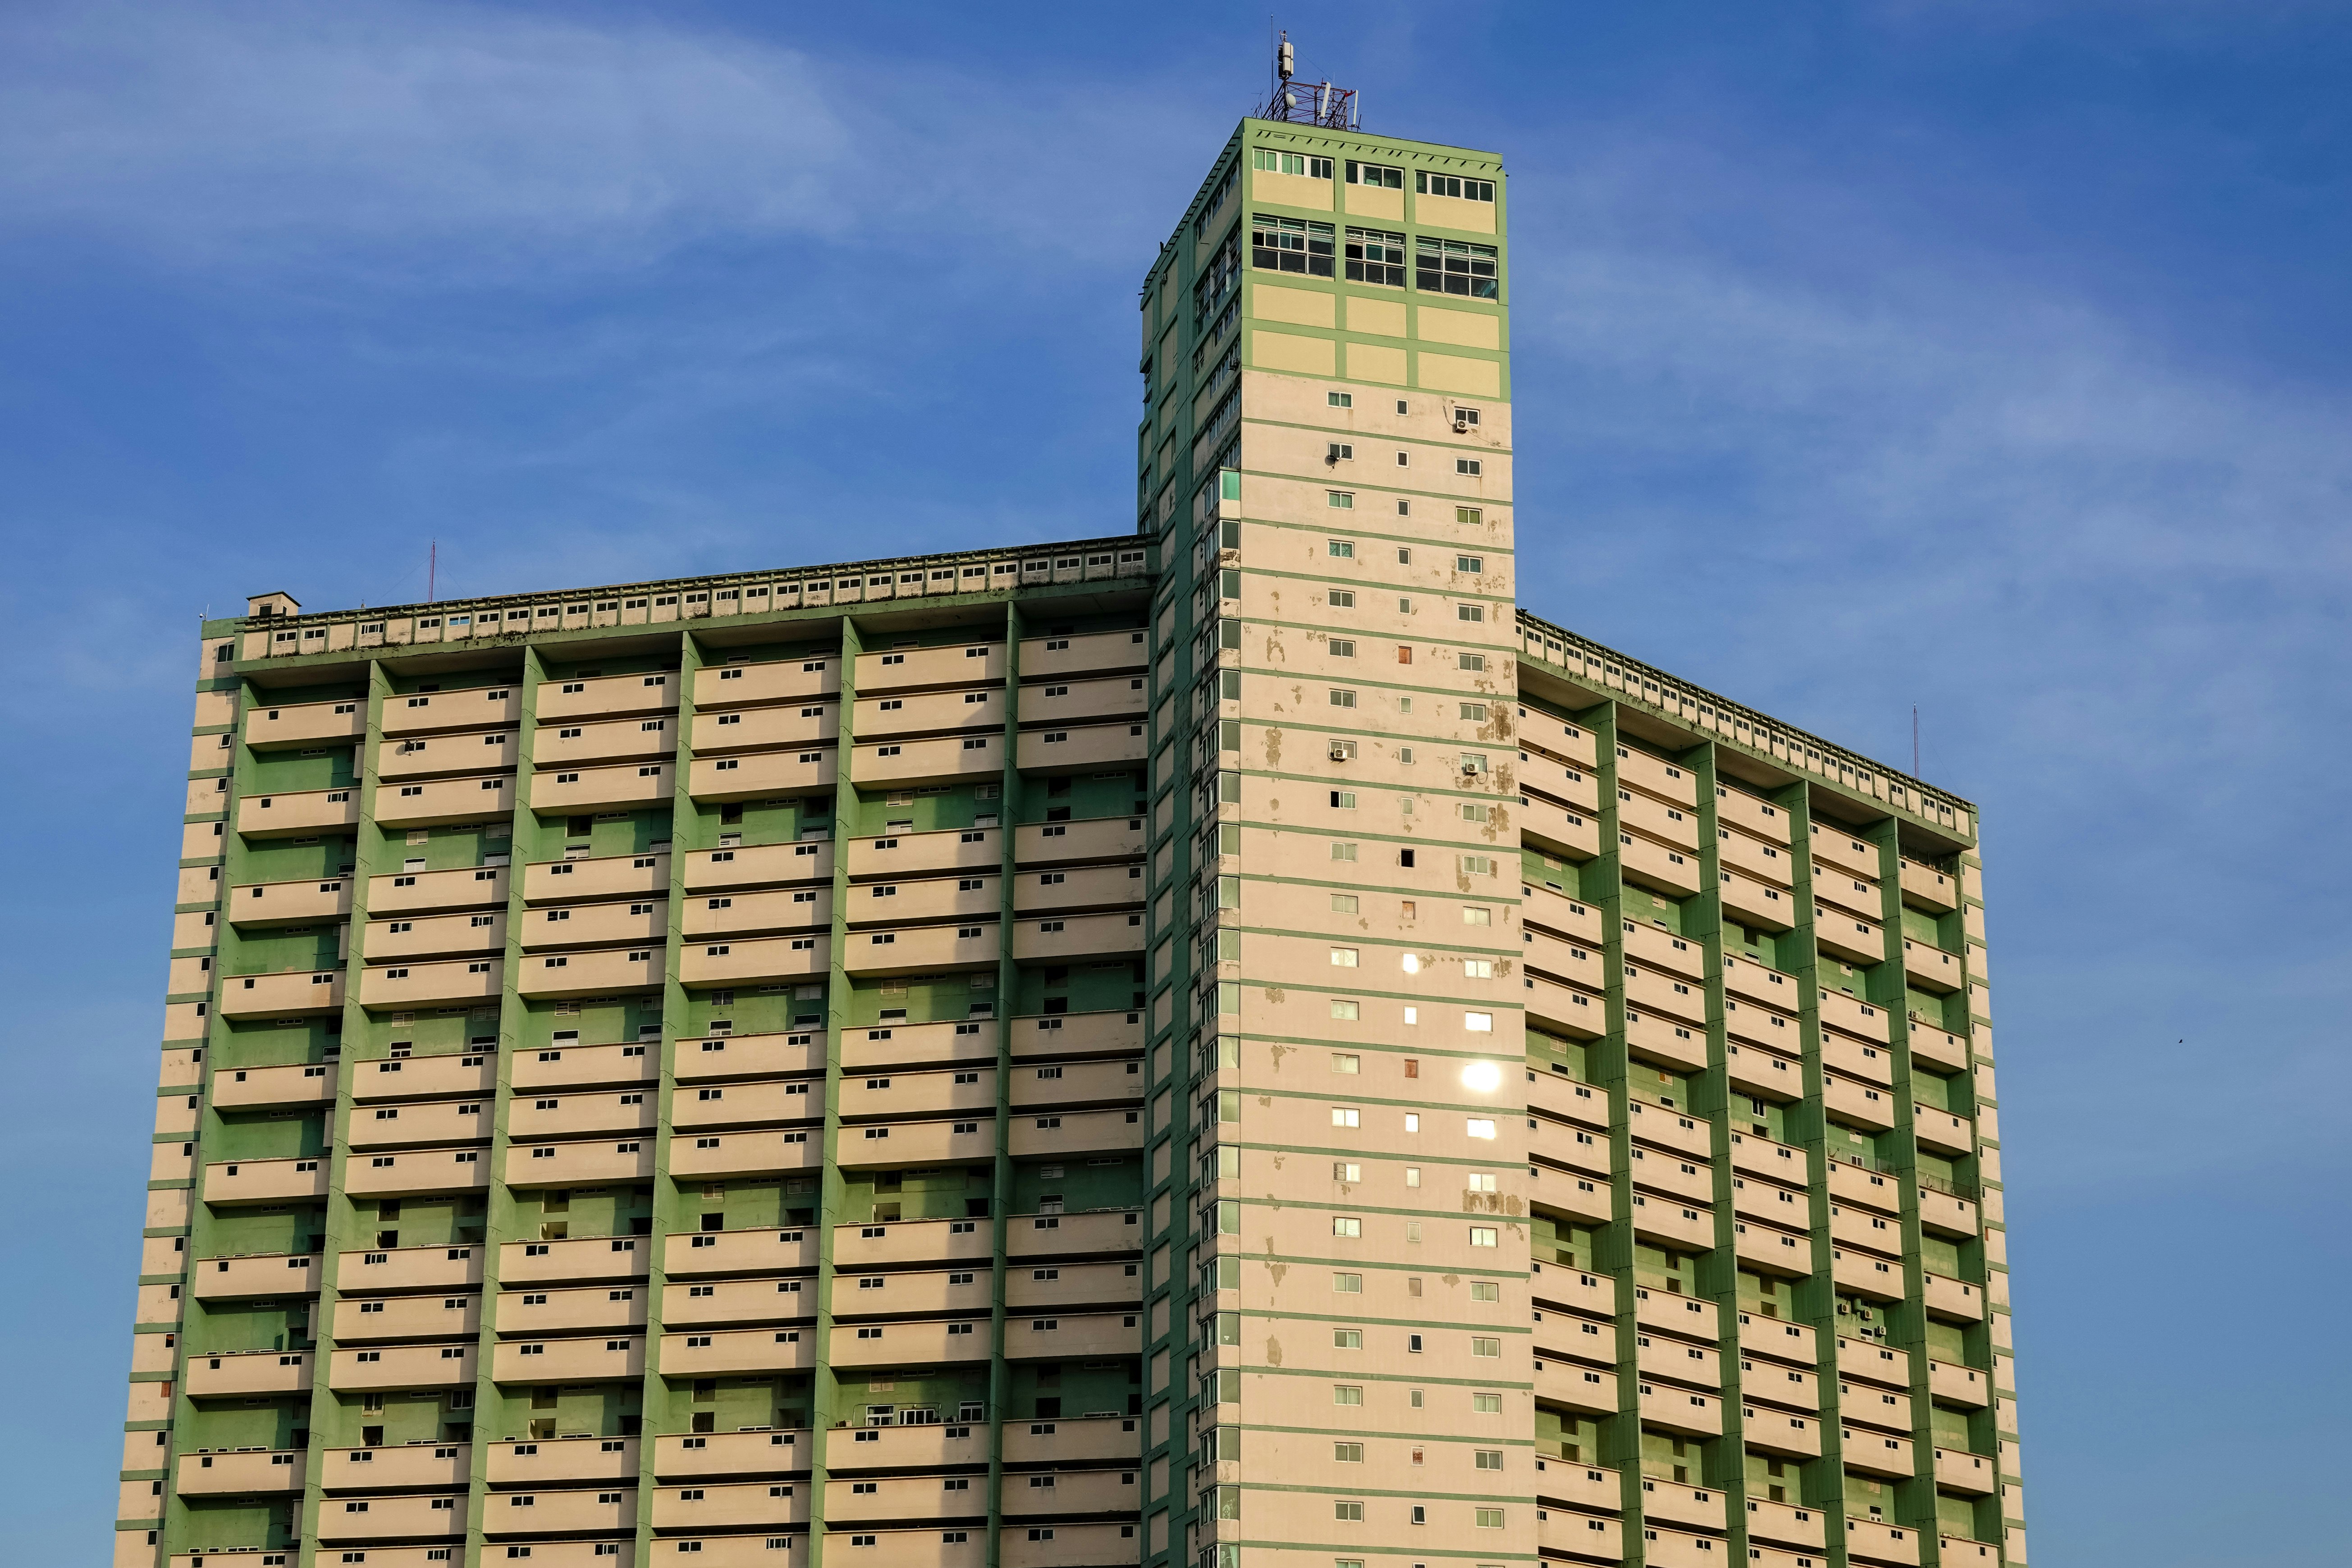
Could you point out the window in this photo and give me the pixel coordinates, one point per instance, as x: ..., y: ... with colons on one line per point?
x: 1429, y: 184
x: 1348, y: 1284
x: 1343, y: 903
x: 1347, y: 1393
x: 1340, y: 549
x: 1474, y: 712
x: 1345, y: 500
x: 1347, y: 1062
x: 1275, y: 162
x: 1298, y: 245
x: 1347, y: 1225
x: 1469, y: 612
x: 1374, y: 256
x: 1479, y: 1024
x: 1343, y: 647
x: 1352, y: 1510
x: 1343, y: 957
x: 1340, y: 399
x: 1453, y: 267
x: 1341, y: 697
x: 1343, y: 852
x: 1343, y: 1008
x: 1346, y: 1116
x: 1377, y: 174
x: 1487, y: 1404
x: 1470, y: 468
x: 1482, y: 1234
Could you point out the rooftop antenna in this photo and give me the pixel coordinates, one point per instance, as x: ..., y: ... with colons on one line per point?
x: 432, y: 569
x: 1333, y: 107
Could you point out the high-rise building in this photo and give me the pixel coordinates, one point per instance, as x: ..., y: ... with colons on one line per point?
x: 1232, y: 1045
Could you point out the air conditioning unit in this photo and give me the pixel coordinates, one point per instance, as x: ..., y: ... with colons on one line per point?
x: 1339, y: 751
x: 1461, y: 427
x: 1469, y: 767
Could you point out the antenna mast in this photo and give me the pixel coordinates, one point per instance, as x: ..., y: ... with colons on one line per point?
x: 1333, y: 107
x: 432, y: 569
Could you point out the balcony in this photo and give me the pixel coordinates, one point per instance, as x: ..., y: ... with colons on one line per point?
x: 415, y: 1173
x: 265, y: 1180
x: 1548, y: 826
x: 1772, y: 1248
x: 589, y: 1358
x: 1657, y: 1356
x: 741, y: 1104
x: 1081, y: 702
x: 413, y: 1466
x: 608, y: 696
x: 410, y: 1268
x: 445, y: 803
x: 1091, y: 1334
x: 287, y: 995
x: 755, y: 960
x: 632, y: 741
x: 1579, y: 963
x: 721, y: 1454
x: 584, y: 1309
x: 873, y: 1345
x: 944, y: 760
x: 1574, y: 1386
x: 1067, y: 1546
x: 602, y: 971
x: 1841, y: 935
x: 1571, y: 918
x: 1954, y: 1299
x: 426, y: 984
x: 247, y: 1472
x: 1699, y: 1508
x: 1965, y: 1387
x: 482, y: 707
x: 897, y: 1242
x: 409, y: 1078
x: 914, y: 950
x: 1554, y: 1093
x: 401, y: 1366
x: 1780, y: 1434
x: 507, y: 1515
x: 1768, y: 1336
x: 1664, y: 1038
x: 601, y: 877
x: 1562, y: 780
x: 436, y: 1317
x: 1563, y: 1533
x: 1925, y: 887
x: 745, y: 914
x: 1659, y: 865
x: 1857, y: 1102
x: 1932, y: 1043
x: 1755, y: 901
x: 1694, y: 1317
x: 1766, y: 862
x: 257, y: 906
x: 1789, y: 1525
x: 393, y: 1518
x: 438, y: 936
x: 1875, y: 1277
x: 405, y: 761
x: 252, y: 1088
x: 1077, y: 939
x: 915, y: 1094
x: 1036, y: 1237
x: 1563, y: 1008
x: 913, y: 854
x: 1873, y: 1363
x: 593, y: 1163
x: 1931, y: 968
x: 758, y: 865
x: 302, y: 812
x: 1081, y: 747
x: 579, y: 1260
x: 1681, y: 1410
x: 571, y: 1066
x: 1669, y: 1128
x: 1076, y: 1034
x: 254, y: 1274
x: 625, y: 787
x: 1093, y: 887
x: 1969, y: 1474
x: 776, y: 681
x: 1561, y: 1285
x: 1676, y: 826
x: 643, y: 924
x: 734, y: 1302
x: 738, y: 730
x: 581, y: 1115
x: 1680, y: 1226
x: 916, y: 1143
x: 762, y: 775
x: 731, y: 1351
x: 1877, y: 1454
x: 1877, y: 1543
x: 292, y: 725
x: 248, y: 1373
x: 715, y: 1156
x: 1078, y: 1134
x: 432, y: 892
x: 773, y: 1505
x: 1943, y: 1133
x: 912, y: 670
x: 1078, y: 1083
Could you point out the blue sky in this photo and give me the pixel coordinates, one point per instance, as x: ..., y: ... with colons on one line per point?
x: 1991, y: 357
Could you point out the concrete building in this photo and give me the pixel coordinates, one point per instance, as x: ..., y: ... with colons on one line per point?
x: 1232, y: 1045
